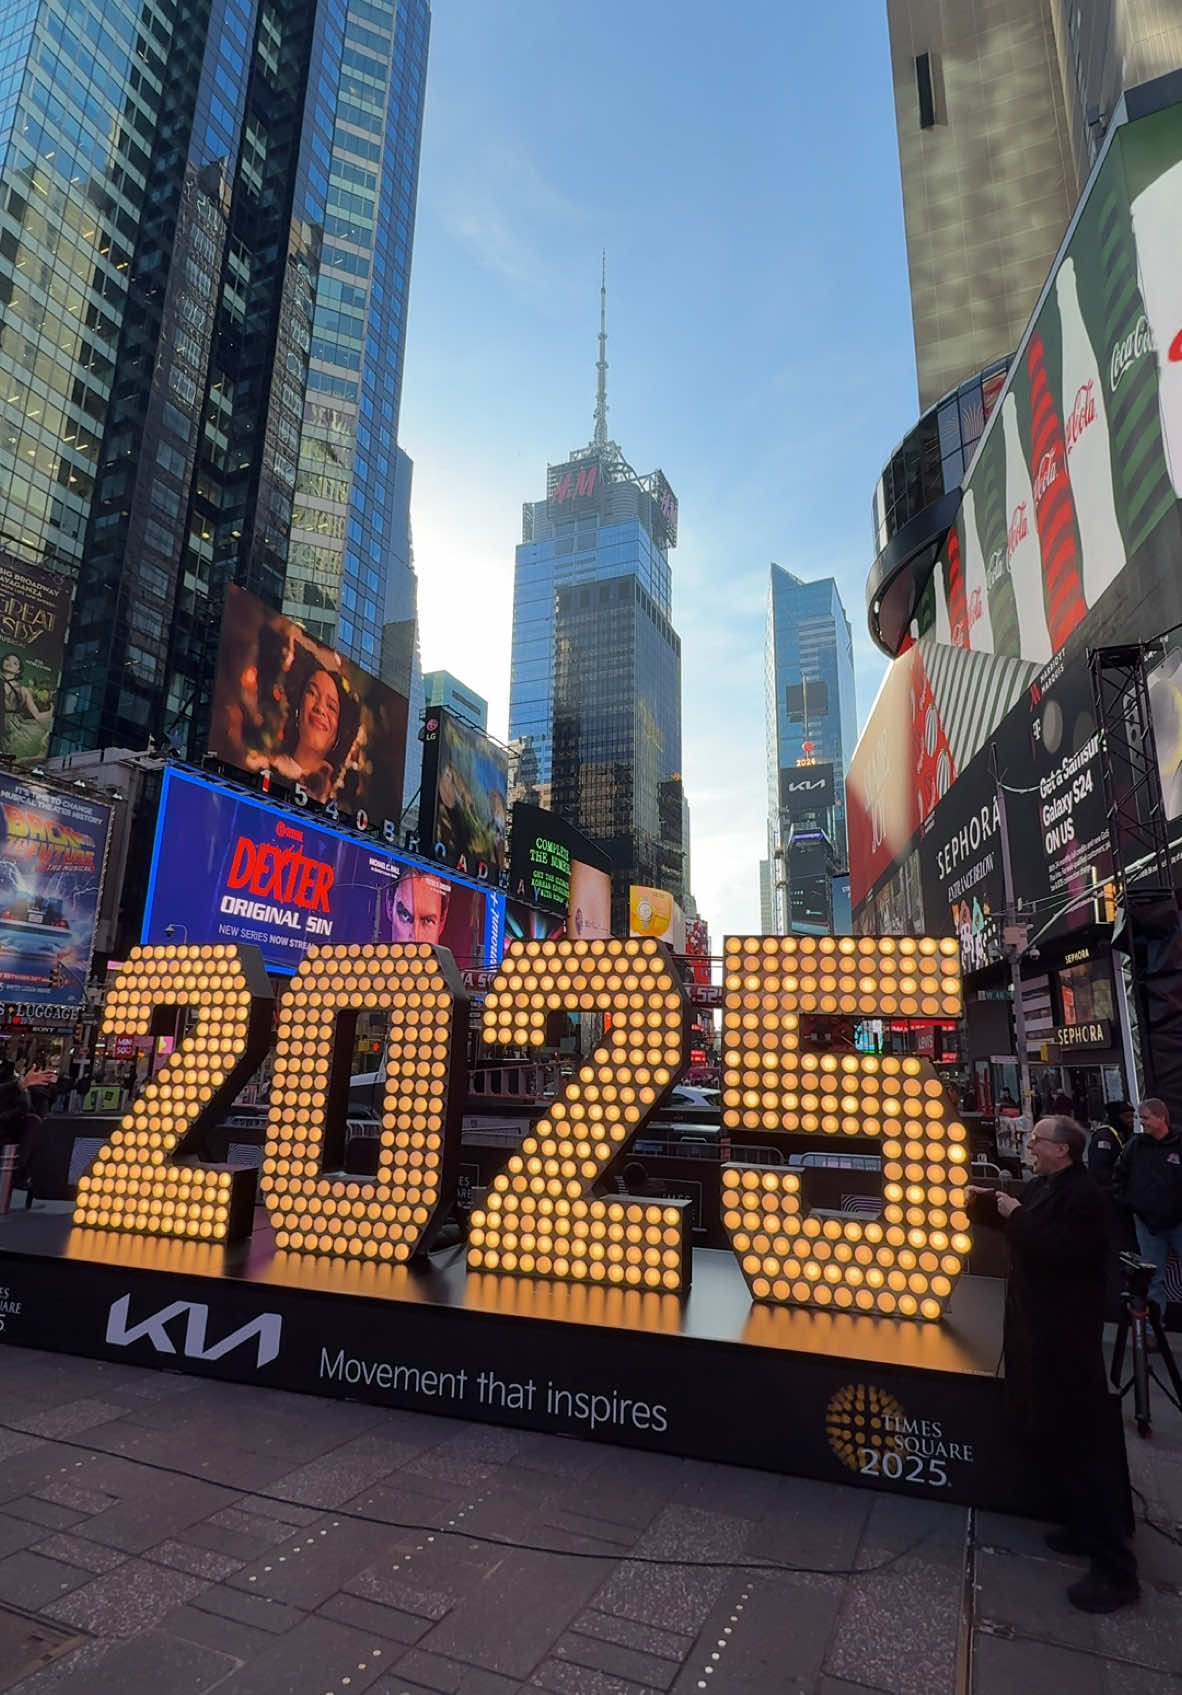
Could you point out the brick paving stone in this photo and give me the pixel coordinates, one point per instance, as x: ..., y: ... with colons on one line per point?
x: 259, y: 1611
x: 72, y: 1418
x: 317, y: 1654
x: 374, y: 1616
x: 614, y: 1660
x: 451, y: 1677
x: 1003, y: 1667
x: 898, y: 1628
x: 132, y: 1598
x: 47, y: 1513
x: 648, y: 1638
x: 66, y: 1493
x: 515, y: 1616
x: 137, y: 1523
x: 565, y: 1679
x: 154, y: 1661
x: 77, y: 1551
x: 672, y: 1597
x: 391, y: 1591
x: 66, y: 1676
x: 200, y: 1562
x: 313, y: 1564
x: 30, y: 1581
x: 16, y: 1533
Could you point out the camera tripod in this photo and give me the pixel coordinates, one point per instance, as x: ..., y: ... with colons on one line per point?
x: 1136, y: 1319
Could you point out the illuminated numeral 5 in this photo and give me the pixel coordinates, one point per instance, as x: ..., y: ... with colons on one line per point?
x: 907, y: 1261
x: 135, y: 1184
x: 540, y: 1217
x: 388, y: 1217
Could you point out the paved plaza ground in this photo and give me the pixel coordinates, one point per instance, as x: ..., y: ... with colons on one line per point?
x: 176, y: 1535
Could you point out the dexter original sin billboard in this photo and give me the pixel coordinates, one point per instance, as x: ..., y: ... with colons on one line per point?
x: 227, y: 868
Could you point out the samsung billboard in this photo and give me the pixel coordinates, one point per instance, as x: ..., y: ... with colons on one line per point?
x: 226, y: 868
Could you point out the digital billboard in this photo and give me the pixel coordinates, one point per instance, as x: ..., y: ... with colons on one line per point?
x: 227, y: 868
x: 1082, y: 459
x: 53, y: 850
x: 463, y: 805
x: 285, y: 703
x: 806, y: 788
x: 654, y: 912
x: 34, y: 613
x: 544, y: 851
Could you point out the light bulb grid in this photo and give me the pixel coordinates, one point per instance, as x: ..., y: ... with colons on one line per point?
x: 386, y: 1217
x: 133, y: 1186
x: 906, y: 1262
x: 539, y: 1218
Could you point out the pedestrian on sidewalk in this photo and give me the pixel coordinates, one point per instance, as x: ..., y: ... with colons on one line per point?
x: 1054, y: 1323
x: 1148, y: 1181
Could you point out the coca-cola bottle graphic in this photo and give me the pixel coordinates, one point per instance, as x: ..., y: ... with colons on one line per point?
x: 1085, y: 430
x: 1114, y: 315
x: 1023, y: 557
x: 989, y: 510
x: 1157, y: 217
x: 976, y: 588
x: 958, y: 616
x: 1054, y: 507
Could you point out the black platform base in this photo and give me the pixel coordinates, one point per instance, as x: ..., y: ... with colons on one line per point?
x: 914, y: 1408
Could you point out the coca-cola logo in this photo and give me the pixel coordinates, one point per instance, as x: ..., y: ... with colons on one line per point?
x: 1019, y: 529
x: 1129, y: 349
x: 996, y: 567
x: 1083, y: 413
x: 1176, y: 349
x: 1048, y: 470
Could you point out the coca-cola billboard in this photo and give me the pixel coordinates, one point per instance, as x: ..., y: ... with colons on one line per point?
x: 1081, y: 460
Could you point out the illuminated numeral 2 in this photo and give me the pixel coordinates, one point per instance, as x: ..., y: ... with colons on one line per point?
x: 388, y: 1217
x: 134, y: 1184
x: 907, y: 1261
x: 540, y: 1218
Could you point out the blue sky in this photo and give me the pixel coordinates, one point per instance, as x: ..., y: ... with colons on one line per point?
x: 739, y: 166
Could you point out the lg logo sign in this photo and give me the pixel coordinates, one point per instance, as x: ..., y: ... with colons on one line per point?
x: 266, y: 1329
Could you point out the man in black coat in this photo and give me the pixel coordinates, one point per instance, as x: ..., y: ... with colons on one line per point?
x: 1148, y: 1180
x: 1058, y: 1239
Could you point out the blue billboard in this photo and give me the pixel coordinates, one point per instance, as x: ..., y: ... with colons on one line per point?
x: 53, y: 851
x: 226, y: 868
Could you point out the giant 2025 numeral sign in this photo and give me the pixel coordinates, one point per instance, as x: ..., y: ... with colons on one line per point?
x: 541, y: 1217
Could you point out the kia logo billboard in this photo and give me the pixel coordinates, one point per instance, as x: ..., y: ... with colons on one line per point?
x: 805, y: 789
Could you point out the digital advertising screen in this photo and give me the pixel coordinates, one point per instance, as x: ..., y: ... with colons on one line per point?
x: 554, y: 866
x: 806, y: 788
x: 227, y: 868
x: 464, y: 807
x: 654, y: 912
x: 284, y: 703
x: 53, y: 850
x: 34, y: 613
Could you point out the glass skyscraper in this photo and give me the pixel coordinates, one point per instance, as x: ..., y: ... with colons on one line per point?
x: 595, y: 685
x: 206, y: 217
x: 812, y: 726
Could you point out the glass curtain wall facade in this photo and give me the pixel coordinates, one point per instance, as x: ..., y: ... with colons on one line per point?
x: 557, y: 553
x: 180, y: 360
x: 617, y: 732
x: 809, y: 697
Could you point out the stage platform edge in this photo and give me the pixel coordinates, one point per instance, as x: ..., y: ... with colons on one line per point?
x: 915, y: 1409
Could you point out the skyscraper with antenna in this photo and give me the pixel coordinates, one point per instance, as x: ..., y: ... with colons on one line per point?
x: 595, y: 684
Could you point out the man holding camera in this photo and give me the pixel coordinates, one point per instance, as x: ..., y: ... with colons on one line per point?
x: 1054, y: 1321
x: 1148, y: 1181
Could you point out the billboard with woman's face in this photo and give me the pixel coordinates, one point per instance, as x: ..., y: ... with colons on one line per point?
x: 285, y: 703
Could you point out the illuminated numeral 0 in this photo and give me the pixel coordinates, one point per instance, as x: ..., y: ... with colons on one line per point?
x: 540, y: 1217
x: 391, y: 1216
x: 907, y: 1261
x: 135, y: 1184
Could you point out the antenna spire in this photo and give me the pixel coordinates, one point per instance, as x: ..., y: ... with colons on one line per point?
x: 600, y: 437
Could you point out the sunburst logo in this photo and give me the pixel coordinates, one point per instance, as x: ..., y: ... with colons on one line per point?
x: 856, y: 1419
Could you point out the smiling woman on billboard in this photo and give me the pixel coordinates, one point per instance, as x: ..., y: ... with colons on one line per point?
x: 320, y: 733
